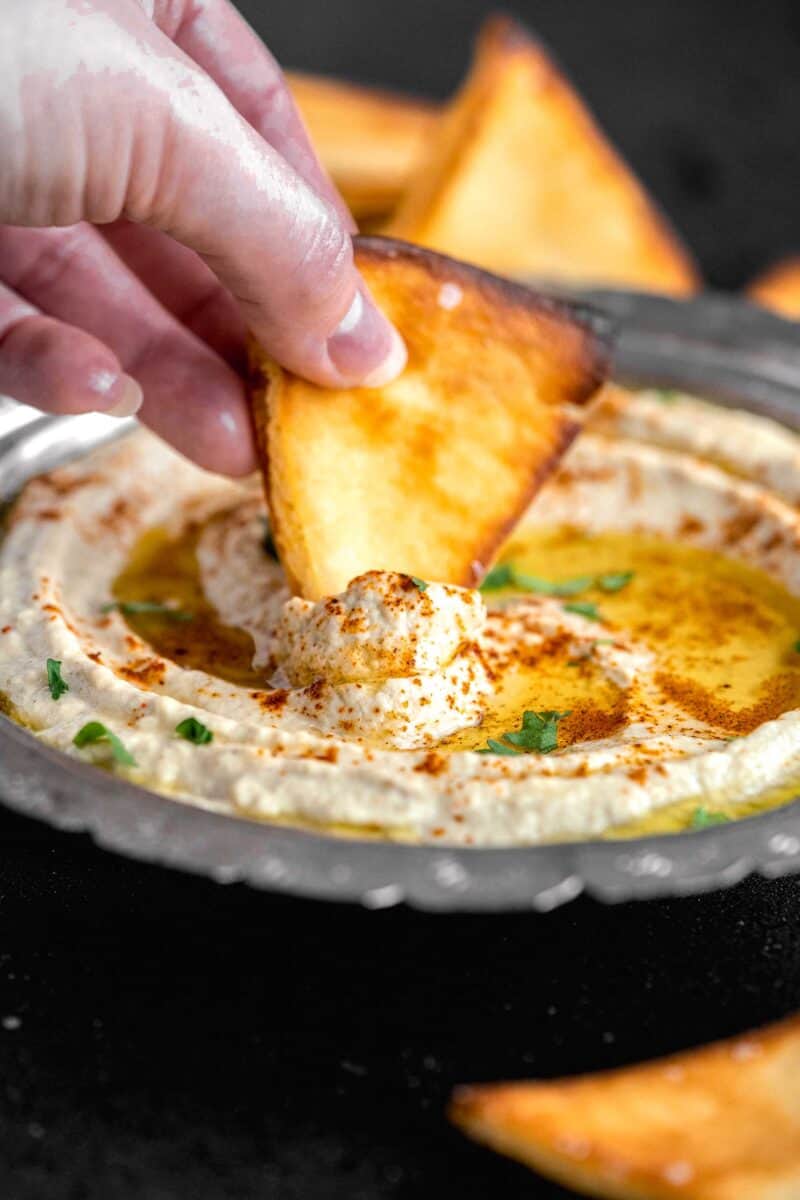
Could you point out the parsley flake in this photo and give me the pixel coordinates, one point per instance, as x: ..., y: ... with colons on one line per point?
x: 796, y: 647
x: 419, y: 583
x: 584, y: 608
x: 666, y: 395
x: 549, y: 587
x: 538, y: 734
x: 55, y: 681
x: 704, y: 818
x: 614, y: 581
x: 97, y: 732
x: 501, y: 576
x: 507, y: 575
x: 153, y: 608
x: 494, y: 747
x: 194, y: 731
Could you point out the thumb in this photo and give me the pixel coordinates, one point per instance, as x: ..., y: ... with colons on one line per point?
x: 202, y: 174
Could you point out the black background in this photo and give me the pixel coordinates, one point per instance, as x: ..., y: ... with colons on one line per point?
x: 702, y: 96
x: 162, y: 1037
x: 180, y: 1039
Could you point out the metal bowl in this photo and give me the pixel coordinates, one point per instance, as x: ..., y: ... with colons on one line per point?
x: 715, y: 346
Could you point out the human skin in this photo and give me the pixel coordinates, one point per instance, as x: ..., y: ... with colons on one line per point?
x: 159, y: 196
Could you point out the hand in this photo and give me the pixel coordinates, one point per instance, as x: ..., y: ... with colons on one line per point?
x: 159, y: 195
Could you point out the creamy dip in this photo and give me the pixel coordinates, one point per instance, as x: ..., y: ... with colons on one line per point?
x: 645, y: 615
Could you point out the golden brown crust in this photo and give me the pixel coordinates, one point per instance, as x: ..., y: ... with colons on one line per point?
x: 428, y: 474
x: 562, y: 440
x: 778, y: 288
x: 265, y: 374
x: 718, y: 1123
x: 370, y: 140
x: 571, y: 209
x: 506, y: 298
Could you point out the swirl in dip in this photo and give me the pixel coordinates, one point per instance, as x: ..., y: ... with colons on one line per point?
x: 632, y: 662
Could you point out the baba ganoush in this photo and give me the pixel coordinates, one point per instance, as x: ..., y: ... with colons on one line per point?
x: 630, y: 663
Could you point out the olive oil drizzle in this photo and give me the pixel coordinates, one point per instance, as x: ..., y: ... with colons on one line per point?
x: 164, y: 570
x: 716, y: 627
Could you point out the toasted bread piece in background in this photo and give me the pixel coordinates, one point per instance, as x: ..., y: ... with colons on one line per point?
x: 369, y: 140
x: 778, y: 288
x: 718, y: 1123
x: 428, y: 474
x: 519, y: 179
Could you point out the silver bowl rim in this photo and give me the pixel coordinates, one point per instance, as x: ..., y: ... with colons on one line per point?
x: 715, y: 345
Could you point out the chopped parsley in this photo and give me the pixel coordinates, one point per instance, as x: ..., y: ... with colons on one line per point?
x: 703, y: 818
x: 614, y: 581
x: 797, y: 646
x: 495, y: 747
x: 584, y: 608
x: 507, y: 575
x: 194, y: 731
x: 55, y: 681
x: 96, y: 732
x: 549, y: 587
x: 501, y: 576
x: 153, y: 608
x: 538, y: 734
x: 666, y: 395
x: 418, y: 583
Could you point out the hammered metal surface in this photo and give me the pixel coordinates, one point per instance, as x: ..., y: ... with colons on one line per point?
x: 716, y: 346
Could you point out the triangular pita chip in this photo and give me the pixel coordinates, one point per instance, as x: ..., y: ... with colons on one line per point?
x: 519, y: 179
x: 719, y: 1123
x: 369, y: 140
x: 428, y: 474
x: 778, y: 288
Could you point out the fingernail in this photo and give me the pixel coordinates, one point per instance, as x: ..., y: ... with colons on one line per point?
x: 366, y: 348
x: 130, y: 401
x: 121, y: 394
x: 392, y: 366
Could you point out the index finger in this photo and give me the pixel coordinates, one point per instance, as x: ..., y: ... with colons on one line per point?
x: 220, y: 41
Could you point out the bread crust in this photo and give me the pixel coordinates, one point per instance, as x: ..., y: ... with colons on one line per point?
x: 429, y: 474
x: 718, y: 1123
x: 519, y: 178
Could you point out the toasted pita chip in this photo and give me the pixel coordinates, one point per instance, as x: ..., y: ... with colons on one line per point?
x: 369, y: 140
x: 778, y: 288
x: 519, y: 179
x: 719, y: 1123
x: 428, y: 474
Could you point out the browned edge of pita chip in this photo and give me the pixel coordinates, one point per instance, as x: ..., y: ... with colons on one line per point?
x: 778, y: 287
x: 502, y: 45
x: 721, y: 1121
x: 582, y: 368
x: 597, y: 329
x: 590, y: 372
x: 264, y: 374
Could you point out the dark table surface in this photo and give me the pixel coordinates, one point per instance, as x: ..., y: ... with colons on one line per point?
x: 164, y: 1037
x: 702, y: 98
